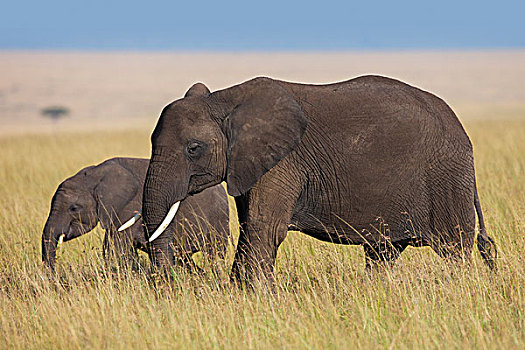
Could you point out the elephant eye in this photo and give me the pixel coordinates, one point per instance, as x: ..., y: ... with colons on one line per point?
x: 74, y: 208
x: 195, y: 148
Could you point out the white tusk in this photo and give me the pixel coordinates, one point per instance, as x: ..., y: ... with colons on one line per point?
x: 61, y: 239
x: 130, y: 222
x: 165, y: 222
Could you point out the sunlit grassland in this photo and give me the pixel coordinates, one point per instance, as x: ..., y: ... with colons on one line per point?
x: 324, y: 298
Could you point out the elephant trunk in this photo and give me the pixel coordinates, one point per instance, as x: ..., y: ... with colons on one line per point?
x: 162, y: 190
x: 50, y: 238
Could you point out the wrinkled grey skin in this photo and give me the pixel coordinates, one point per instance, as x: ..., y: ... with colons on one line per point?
x: 370, y: 161
x: 110, y: 193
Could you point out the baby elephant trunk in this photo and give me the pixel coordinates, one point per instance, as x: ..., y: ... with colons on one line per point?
x: 50, y: 240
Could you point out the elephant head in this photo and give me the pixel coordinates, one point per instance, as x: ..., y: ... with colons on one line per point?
x: 95, y: 194
x: 234, y: 135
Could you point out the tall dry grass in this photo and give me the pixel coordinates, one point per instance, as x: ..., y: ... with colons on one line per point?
x: 324, y: 298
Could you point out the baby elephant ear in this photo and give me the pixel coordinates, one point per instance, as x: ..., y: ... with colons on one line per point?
x: 117, y: 187
x: 198, y: 89
x: 263, y: 129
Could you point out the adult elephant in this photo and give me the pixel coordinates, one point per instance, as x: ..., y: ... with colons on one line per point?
x: 369, y: 161
x: 111, y: 193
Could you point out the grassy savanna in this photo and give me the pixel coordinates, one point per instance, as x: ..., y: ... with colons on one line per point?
x: 324, y: 298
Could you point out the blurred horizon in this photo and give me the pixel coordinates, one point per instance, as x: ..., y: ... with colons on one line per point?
x: 108, y: 90
x: 170, y: 51
x: 271, y: 26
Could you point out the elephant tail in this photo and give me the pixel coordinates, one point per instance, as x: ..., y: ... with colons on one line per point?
x: 486, y: 245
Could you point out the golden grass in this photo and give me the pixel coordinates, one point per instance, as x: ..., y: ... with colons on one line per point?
x: 324, y: 297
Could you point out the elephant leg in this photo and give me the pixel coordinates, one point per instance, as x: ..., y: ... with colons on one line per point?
x: 455, y: 246
x: 118, y: 247
x: 255, y: 256
x: 382, y: 255
x: 264, y: 214
x: 453, y: 215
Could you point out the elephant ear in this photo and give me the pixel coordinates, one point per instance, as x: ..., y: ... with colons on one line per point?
x: 115, y: 190
x: 263, y: 128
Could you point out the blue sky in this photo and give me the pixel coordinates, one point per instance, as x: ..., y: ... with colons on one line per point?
x: 261, y: 25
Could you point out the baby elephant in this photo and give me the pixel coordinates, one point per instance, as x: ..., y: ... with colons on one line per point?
x: 111, y: 193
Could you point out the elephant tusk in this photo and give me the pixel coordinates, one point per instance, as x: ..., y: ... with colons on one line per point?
x: 130, y: 222
x: 169, y: 217
x: 61, y: 239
